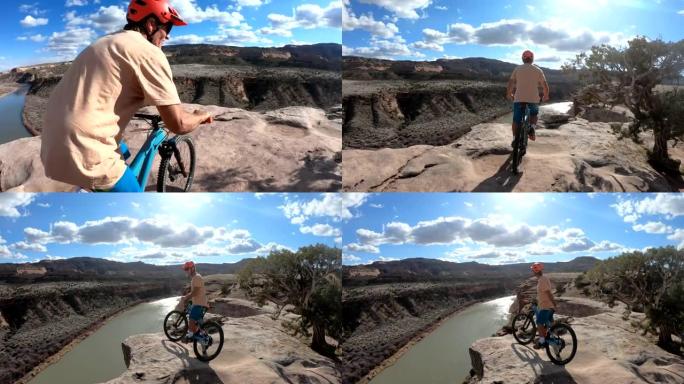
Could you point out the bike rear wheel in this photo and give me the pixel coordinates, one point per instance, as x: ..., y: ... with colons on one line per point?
x: 561, y: 344
x: 177, y: 172
x: 524, y: 328
x: 175, y: 325
x: 519, y: 147
x: 211, y: 344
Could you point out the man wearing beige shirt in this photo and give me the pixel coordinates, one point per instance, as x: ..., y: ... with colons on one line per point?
x: 198, y: 295
x: 104, y: 87
x: 526, y: 80
x: 546, y: 304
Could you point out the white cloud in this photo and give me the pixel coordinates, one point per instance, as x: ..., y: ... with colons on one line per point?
x: 350, y: 259
x: 32, y: 9
x: 605, y: 245
x: 577, y: 245
x: 76, y: 3
x: 381, y: 49
x: 24, y: 246
x: 653, y: 227
x: 321, y: 230
x: 351, y: 22
x: 668, y: 205
x: 355, y: 247
x: 306, y: 16
x: 108, y: 19
x: 193, y: 13
x: 68, y: 43
x: 335, y: 206
x: 10, y: 203
x: 557, y: 36
x: 405, y: 9
x: 30, y: 21
x: 449, y: 230
x: 678, y: 235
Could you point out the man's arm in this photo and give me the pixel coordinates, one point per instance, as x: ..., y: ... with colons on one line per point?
x: 180, y: 122
x: 192, y: 290
x: 509, y: 88
x: 546, y: 90
x: 550, y: 297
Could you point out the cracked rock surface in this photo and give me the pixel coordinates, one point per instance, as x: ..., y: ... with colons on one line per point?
x: 577, y: 156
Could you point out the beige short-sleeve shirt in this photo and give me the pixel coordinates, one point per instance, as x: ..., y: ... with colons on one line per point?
x: 91, y: 106
x: 528, y: 78
x: 543, y: 284
x: 199, y: 293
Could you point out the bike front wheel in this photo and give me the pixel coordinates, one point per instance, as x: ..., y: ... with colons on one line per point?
x: 210, y: 342
x: 176, y: 172
x: 175, y: 325
x: 524, y: 328
x: 561, y: 344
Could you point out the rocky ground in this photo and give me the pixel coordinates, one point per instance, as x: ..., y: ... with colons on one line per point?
x: 256, y: 350
x: 289, y: 149
x: 582, y: 154
x: 37, y: 320
x: 610, y: 350
x: 381, y: 319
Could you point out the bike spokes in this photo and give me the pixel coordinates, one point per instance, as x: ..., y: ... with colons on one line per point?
x: 562, y: 344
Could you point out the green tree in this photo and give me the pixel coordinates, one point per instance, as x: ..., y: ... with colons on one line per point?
x: 631, y: 76
x: 651, y: 281
x: 307, y: 282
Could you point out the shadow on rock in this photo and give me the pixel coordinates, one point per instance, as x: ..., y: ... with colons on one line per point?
x: 545, y: 371
x: 195, y: 372
x: 502, y: 181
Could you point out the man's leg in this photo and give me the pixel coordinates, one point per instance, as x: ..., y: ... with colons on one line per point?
x: 517, y: 119
x: 127, y: 183
x: 534, y: 117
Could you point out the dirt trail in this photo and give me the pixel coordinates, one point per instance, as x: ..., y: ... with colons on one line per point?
x: 578, y: 156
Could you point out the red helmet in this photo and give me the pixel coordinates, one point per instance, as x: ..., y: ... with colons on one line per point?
x: 138, y: 10
x: 188, y: 265
x: 528, y: 55
x: 537, y: 267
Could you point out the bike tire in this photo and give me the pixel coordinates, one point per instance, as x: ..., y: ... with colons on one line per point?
x: 561, y: 328
x: 527, y: 321
x: 184, y: 329
x: 518, y: 149
x: 169, y: 167
x: 195, y: 344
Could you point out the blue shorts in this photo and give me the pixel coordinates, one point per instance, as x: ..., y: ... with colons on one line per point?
x: 544, y: 317
x: 197, y: 312
x: 519, y: 112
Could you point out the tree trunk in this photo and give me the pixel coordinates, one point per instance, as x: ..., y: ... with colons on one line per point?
x: 660, y: 158
x: 318, y: 342
x: 665, y: 339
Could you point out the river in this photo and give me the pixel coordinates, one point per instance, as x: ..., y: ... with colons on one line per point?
x: 99, y: 357
x: 442, y: 356
x: 560, y: 107
x: 11, y: 122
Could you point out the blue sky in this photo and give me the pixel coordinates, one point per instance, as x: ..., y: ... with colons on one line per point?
x: 501, y: 228
x: 47, y: 31
x: 501, y: 29
x: 164, y: 228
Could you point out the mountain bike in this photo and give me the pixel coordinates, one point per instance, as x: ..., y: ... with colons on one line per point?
x: 177, y: 166
x: 209, y: 342
x: 561, y: 341
x: 520, y: 141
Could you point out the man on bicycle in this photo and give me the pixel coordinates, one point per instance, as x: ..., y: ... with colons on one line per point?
x: 198, y: 295
x: 525, y: 80
x: 546, y: 304
x: 104, y: 87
